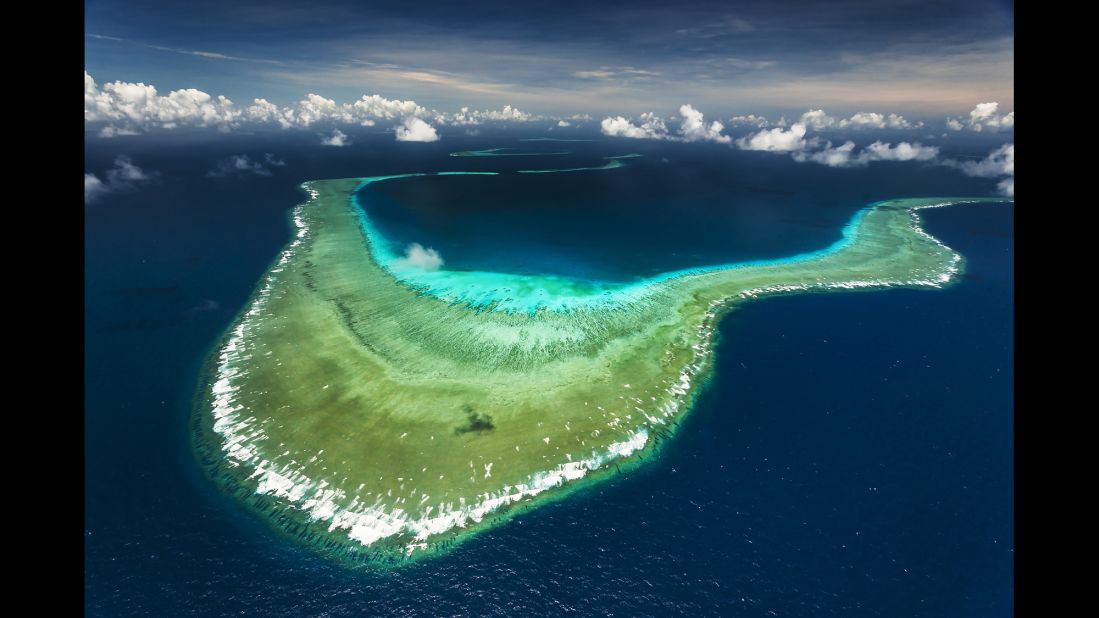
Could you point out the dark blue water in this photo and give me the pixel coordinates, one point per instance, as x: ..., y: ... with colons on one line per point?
x: 852, y: 455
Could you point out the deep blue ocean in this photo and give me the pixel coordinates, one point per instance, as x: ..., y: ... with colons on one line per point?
x: 851, y: 456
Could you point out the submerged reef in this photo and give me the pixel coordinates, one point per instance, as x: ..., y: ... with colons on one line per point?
x: 381, y: 412
x: 504, y: 152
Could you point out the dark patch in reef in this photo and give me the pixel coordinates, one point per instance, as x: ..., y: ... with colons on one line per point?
x: 475, y: 422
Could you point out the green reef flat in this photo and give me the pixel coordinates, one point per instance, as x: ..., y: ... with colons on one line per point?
x: 503, y: 152
x: 611, y: 164
x: 553, y: 139
x: 382, y: 412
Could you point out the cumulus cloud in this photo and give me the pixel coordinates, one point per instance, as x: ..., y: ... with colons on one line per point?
x: 125, y: 172
x: 466, y: 116
x: 375, y: 106
x: 416, y: 256
x: 875, y: 120
x: 262, y: 110
x: 998, y: 163
x: 123, y: 176
x: 903, y: 151
x: 750, y: 119
x: 317, y: 109
x: 817, y: 120
x: 651, y: 127
x: 113, y: 131
x: 776, y: 139
x: 838, y: 156
x: 415, y: 130
x: 337, y: 138
x: 563, y: 123
x: 243, y: 164
x: 984, y: 116
x: 694, y: 129
x: 128, y: 108
x: 93, y: 188
x: 508, y: 113
x: 844, y: 155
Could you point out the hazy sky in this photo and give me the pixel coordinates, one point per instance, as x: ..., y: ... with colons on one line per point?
x: 920, y: 58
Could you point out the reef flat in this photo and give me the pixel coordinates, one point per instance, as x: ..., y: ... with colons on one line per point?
x: 504, y: 152
x: 380, y: 412
x: 553, y: 139
x: 611, y: 164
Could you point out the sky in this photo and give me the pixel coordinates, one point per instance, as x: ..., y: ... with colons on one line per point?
x: 917, y: 58
x: 839, y: 83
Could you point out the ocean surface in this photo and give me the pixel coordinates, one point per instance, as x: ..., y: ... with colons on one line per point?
x: 852, y: 454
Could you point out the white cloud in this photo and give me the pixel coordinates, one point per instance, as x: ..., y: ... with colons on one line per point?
x: 817, y: 120
x: 508, y: 113
x: 616, y: 74
x: 113, y: 131
x: 694, y: 129
x: 125, y: 172
x: 123, y: 176
x: 415, y: 130
x: 750, y: 119
x: 999, y: 162
x: 776, y: 140
x: 466, y: 116
x: 93, y: 188
x: 903, y: 151
x: 375, y: 106
x: 416, y: 256
x: 243, y: 164
x: 651, y: 127
x: 128, y: 108
x: 337, y: 138
x: 984, y: 116
x: 597, y: 74
x: 315, y: 109
x: 263, y: 110
x: 844, y: 155
x: 874, y: 120
x: 562, y: 123
x: 839, y: 156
